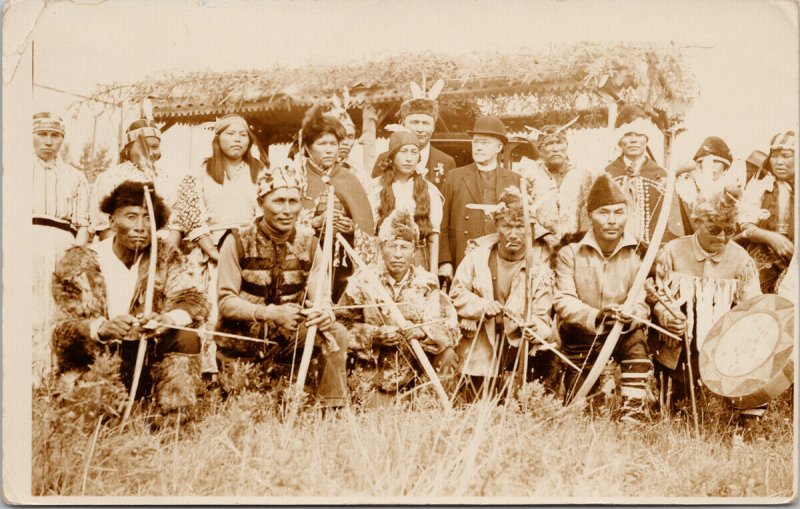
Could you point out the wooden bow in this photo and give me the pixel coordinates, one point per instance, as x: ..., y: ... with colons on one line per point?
x: 147, y: 112
x: 321, y: 291
x: 148, y: 303
x: 398, y: 319
x: 633, y: 293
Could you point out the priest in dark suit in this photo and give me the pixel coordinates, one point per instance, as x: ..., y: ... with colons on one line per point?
x: 419, y: 115
x: 481, y: 182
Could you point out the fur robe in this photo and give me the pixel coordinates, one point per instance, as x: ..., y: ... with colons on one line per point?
x: 79, y: 290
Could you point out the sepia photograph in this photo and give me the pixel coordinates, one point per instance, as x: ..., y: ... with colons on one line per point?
x: 410, y: 252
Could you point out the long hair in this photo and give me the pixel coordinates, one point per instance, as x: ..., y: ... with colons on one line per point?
x: 215, y: 165
x: 422, y: 199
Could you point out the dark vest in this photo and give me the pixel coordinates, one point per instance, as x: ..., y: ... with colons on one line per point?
x: 272, y: 273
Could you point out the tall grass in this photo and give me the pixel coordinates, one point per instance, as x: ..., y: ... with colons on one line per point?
x: 530, y: 446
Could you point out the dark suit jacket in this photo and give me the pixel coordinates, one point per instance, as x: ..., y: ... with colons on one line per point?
x: 459, y: 224
x: 436, y: 157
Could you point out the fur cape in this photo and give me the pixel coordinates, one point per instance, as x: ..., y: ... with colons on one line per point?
x: 79, y: 290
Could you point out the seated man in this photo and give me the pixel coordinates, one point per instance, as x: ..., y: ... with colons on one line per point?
x: 264, y: 270
x: 384, y: 359
x: 100, y: 292
x: 705, y: 275
x: 593, y: 278
x: 489, y: 293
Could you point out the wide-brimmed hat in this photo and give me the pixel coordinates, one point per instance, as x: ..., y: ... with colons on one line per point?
x: 490, y: 126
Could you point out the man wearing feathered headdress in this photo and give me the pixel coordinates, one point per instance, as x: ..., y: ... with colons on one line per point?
x: 385, y: 363
x: 419, y: 115
x: 704, y: 275
x: 266, y: 270
x: 489, y: 290
x: 560, y: 184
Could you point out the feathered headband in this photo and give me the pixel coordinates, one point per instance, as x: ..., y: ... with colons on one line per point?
x: 422, y: 101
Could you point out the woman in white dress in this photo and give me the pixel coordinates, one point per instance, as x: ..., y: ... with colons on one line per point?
x: 402, y: 185
x: 210, y: 202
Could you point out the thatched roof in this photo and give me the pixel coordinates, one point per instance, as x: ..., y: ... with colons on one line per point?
x: 556, y: 84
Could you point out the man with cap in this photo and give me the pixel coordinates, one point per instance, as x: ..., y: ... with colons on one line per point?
x: 704, y: 275
x: 707, y: 174
x: 266, y: 269
x: 481, y: 182
x: 60, y: 219
x: 419, y: 115
x: 101, y: 290
x: 559, y: 185
x: 767, y: 211
x: 489, y: 292
x: 385, y: 365
x: 137, y: 163
x: 639, y: 176
x: 593, y: 279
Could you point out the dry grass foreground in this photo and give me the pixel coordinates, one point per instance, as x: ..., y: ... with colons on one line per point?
x: 529, y: 447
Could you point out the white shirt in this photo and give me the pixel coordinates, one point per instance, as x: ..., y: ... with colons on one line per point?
x: 424, y: 155
x: 121, y: 284
x: 404, y: 199
x: 636, y: 166
x: 120, y: 280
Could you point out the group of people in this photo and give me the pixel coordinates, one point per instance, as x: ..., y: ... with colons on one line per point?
x: 460, y: 277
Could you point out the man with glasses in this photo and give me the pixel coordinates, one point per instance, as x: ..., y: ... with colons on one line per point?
x: 705, y: 275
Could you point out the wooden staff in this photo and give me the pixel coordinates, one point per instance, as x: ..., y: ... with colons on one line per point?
x: 400, y: 320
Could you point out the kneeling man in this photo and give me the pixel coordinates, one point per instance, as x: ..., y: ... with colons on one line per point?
x: 265, y: 269
x: 489, y: 291
x: 384, y: 359
x: 593, y: 278
x: 100, y: 293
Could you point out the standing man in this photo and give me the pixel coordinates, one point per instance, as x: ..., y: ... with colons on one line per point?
x: 60, y: 219
x: 561, y: 187
x: 481, y: 182
x: 489, y: 291
x: 137, y: 163
x: 419, y: 115
x: 100, y: 291
x: 385, y: 364
x: 642, y: 180
x: 593, y: 278
x: 264, y: 271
